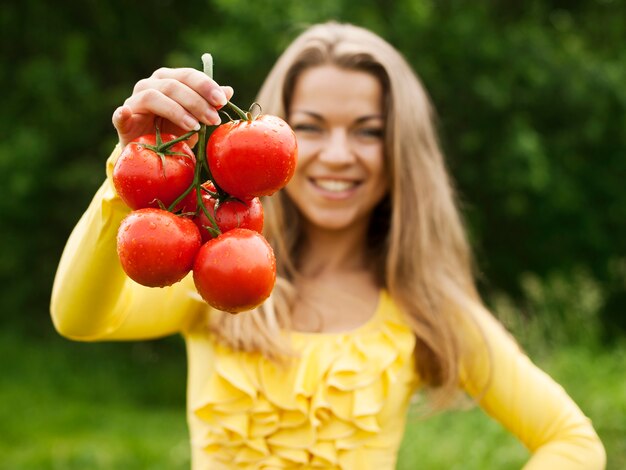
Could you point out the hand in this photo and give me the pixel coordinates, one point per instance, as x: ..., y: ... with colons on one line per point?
x: 180, y: 98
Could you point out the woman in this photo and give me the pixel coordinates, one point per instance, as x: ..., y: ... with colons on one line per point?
x: 375, y: 297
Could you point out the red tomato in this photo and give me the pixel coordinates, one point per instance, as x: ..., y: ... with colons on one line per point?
x: 235, y: 271
x: 231, y: 214
x: 252, y: 158
x: 157, y: 248
x: 141, y: 179
x: 187, y: 207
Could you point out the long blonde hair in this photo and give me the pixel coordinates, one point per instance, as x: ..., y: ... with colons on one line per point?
x: 417, y: 232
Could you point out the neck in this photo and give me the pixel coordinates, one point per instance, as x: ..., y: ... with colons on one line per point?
x: 331, y: 251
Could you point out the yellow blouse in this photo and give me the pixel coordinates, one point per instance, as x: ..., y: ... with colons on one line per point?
x: 340, y: 404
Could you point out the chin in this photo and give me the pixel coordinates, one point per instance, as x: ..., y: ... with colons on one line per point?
x: 331, y: 226
x: 332, y: 222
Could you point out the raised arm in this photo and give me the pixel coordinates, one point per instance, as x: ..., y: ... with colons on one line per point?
x: 529, y: 403
x: 92, y: 298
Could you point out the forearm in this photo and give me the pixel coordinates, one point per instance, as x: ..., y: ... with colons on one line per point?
x: 529, y: 403
x: 89, y: 279
x: 576, y: 452
x: 92, y: 297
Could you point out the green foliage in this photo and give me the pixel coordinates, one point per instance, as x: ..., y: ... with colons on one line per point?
x: 64, y: 71
x: 532, y: 114
x: 564, y: 308
x: 530, y: 99
x: 126, y: 412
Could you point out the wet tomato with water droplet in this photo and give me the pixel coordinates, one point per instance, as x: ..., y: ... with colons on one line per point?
x: 157, y: 248
x: 236, y: 271
x: 231, y: 214
x: 252, y: 158
x: 142, y: 178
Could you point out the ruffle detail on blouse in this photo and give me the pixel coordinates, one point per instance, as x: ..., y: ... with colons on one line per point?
x: 344, y: 392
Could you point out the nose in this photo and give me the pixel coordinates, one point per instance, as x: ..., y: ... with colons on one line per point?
x: 336, y: 150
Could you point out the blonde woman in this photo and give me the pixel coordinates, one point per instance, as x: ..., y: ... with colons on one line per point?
x: 375, y: 298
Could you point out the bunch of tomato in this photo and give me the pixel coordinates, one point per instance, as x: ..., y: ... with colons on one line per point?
x: 200, y: 210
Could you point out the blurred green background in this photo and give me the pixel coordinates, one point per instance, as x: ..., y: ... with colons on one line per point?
x: 531, y: 109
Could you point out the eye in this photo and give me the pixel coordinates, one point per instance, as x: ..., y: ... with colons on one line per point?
x: 371, y: 132
x: 306, y: 128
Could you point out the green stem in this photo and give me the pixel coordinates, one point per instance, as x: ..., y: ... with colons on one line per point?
x: 201, y: 155
x: 196, y: 173
x: 201, y: 161
x: 240, y: 112
x: 207, y: 65
x: 164, y: 146
x: 180, y: 198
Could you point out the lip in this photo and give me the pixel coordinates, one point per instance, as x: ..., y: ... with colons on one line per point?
x: 334, y: 188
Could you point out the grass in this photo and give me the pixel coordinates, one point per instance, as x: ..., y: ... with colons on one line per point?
x: 83, y: 406
x: 92, y: 406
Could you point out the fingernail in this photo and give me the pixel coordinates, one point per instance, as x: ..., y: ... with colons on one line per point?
x: 190, y: 123
x: 218, y: 98
x: 212, y: 118
x: 228, y: 90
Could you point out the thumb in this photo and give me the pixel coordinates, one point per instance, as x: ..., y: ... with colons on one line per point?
x: 121, y: 118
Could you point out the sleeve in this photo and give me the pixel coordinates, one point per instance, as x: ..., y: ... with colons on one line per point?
x: 93, y: 299
x: 530, y: 404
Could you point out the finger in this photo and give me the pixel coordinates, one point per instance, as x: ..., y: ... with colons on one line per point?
x: 184, y: 95
x: 197, y: 81
x: 121, y: 117
x: 228, y: 91
x: 154, y: 102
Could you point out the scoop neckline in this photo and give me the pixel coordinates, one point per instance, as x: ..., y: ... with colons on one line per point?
x: 374, y: 318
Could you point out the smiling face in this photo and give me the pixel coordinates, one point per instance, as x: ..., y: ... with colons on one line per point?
x: 338, y: 119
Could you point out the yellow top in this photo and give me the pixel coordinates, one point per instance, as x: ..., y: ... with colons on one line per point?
x: 340, y: 404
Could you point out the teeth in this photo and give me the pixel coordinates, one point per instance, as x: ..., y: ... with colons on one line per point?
x: 335, y: 185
